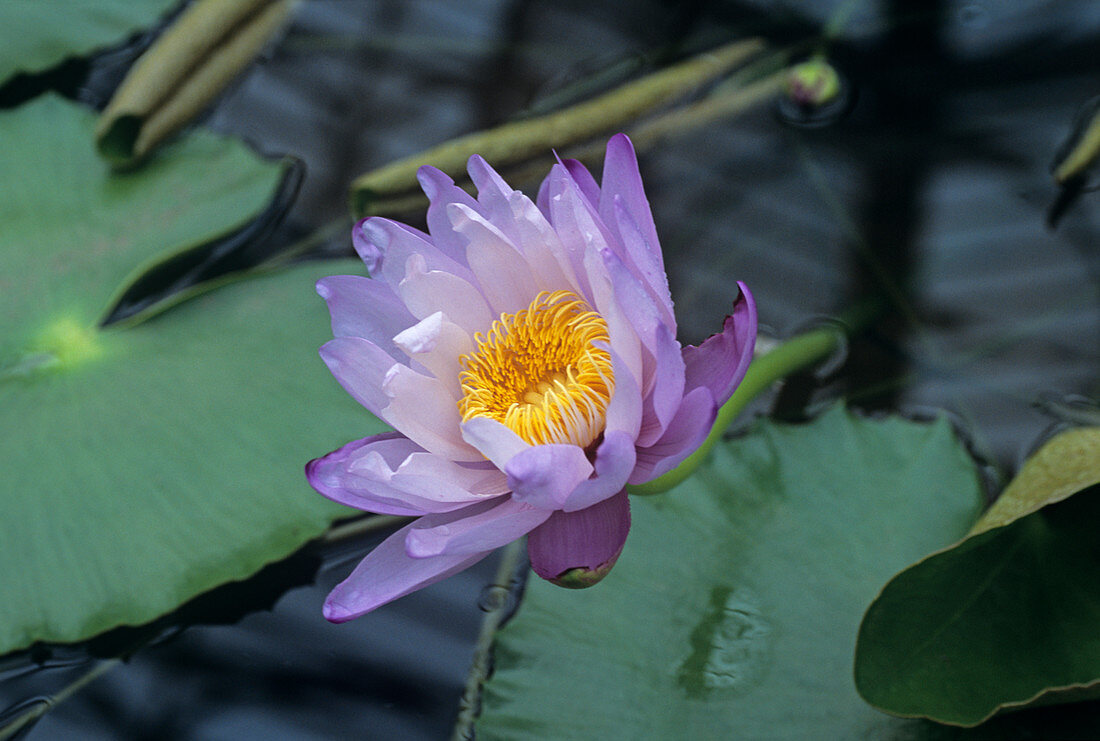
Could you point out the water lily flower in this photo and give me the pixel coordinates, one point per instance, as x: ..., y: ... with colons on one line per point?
x: 526, y: 356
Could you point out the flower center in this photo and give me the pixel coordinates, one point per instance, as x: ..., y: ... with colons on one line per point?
x: 539, y: 373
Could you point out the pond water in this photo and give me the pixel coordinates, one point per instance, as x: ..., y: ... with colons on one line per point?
x: 931, y: 194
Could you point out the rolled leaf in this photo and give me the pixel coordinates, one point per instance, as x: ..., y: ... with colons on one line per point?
x: 195, y: 59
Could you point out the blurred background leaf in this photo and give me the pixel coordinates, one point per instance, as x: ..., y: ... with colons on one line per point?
x: 39, y: 35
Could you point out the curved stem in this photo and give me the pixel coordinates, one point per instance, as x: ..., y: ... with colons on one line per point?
x: 40, y: 708
x: 793, y: 355
x: 482, y: 665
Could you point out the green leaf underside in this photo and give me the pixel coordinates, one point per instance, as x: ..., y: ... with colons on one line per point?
x: 146, y: 464
x: 39, y: 35
x: 1006, y: 617
x: 171, y: 462
x: 733, y: 610
x: 75, y: 234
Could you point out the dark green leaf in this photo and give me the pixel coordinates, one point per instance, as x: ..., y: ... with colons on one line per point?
x: 1008, y: 616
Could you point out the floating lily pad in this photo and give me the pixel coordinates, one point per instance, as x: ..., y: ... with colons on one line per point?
x: 733, y: 610
x: 143, y: 464
x: 38, y: 35
x: 1008, y: 617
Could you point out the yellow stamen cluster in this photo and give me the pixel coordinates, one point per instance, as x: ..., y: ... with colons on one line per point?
x: 538, y: 372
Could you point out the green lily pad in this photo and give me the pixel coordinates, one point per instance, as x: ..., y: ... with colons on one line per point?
x: 75, y: 235
x: 1008, y: 617
x: 733, y: 610
x: 38, y: 35
x: 144, y: 463
x: 168, y: 460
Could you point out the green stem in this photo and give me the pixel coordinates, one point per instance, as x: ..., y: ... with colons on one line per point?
x: 46, y: 704
x: 482, y: 665
x: 793, y: 355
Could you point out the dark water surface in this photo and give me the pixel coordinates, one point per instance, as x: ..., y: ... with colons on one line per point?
x: 931, y: 195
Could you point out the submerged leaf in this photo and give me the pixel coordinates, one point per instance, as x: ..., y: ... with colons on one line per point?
x: 733, y: 614
x: 1008, y: 616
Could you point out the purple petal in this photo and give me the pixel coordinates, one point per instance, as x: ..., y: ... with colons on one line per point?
x: 502, y: 274
x: 615, y: 458
x: 329, y: 475
x: 577, y: 224
x: 360, y: 366
x: 720, y: 362
x: 623, y: 181
x: 687, y: 431
x: 362, y: 307
x: 644, y: 263
x: 663, y: 400
x: 584, y: 181
x: 369, y: 250
x: 624, y: 338
x: 493, y: 194
x: 624, y: 412
x: 545, y: 475
x: 442, y: 191
x: 479, y: 532
x: 398, y: 243
x: 388, y: 573
x: 389, y: 474
x: 577, y: 549
x: 542, y: 199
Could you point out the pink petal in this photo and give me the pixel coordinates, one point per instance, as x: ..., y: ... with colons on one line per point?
x: 479, y: 532
x: 720, y: 362
x: 362, y: 307
x: 687, y: 431
x: 426, y: 292
x: 495, y: 441
x: 426, y: 478
x: 422, y: 409
x: 615, y: 458
x: 545, y: 475
x: 388, y: 573
x: 577, y: 549
x: 501, y: 272
x: 437, y: 344
x: 360, y: 367
x: 541, y: 247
